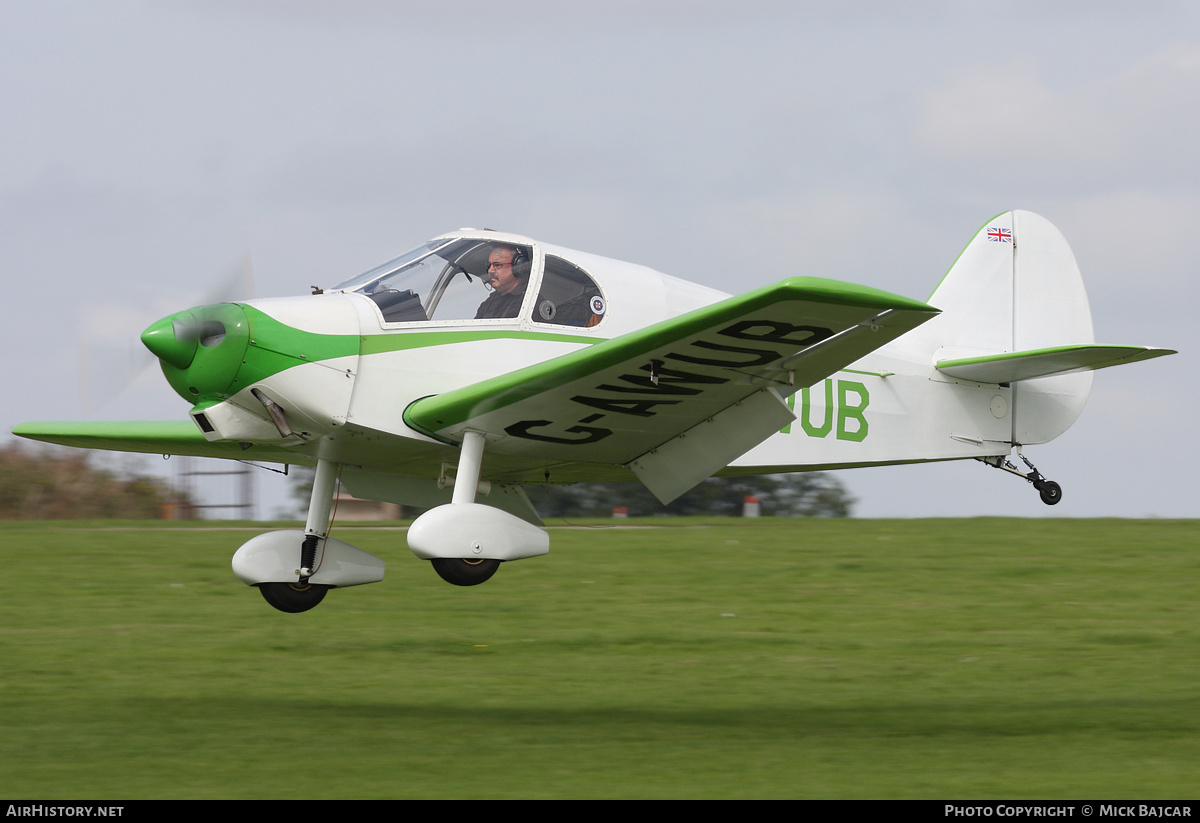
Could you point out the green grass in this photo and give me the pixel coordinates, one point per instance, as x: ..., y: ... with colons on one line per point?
x: 719, y: 658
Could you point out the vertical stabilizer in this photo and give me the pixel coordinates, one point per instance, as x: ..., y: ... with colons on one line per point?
x: 1016, y: 288
x: 976, y: 295
x: 1050, y: 305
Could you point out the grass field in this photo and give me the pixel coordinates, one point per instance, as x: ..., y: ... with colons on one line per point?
x: 980, y: 658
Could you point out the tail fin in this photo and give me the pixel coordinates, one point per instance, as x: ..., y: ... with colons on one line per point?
x: 1015, y: 286
x: 1014, y: 309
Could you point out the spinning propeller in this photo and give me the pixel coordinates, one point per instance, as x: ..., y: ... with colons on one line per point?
x: 107, y: 369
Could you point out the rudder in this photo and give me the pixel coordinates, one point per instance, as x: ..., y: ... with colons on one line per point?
x: 1017, y: 288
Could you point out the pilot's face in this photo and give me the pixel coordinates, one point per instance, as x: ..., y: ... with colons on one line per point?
x: 500, y: 273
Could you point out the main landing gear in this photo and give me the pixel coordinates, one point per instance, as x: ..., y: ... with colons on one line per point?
x: 465, y: 541
x: 293, y: 569
x: 1048, y: 490
x: 303, y: 594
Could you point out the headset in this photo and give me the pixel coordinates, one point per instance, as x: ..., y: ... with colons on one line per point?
x: 521, y: 264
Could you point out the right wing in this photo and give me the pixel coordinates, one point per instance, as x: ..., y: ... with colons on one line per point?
x: 678, y: 400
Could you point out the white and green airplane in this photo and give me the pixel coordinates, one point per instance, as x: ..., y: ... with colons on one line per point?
x: 481, y: 362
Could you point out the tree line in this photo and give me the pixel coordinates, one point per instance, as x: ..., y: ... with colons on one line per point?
x: 780, y: 495
x: 810, y: 494
x: 61, y: 484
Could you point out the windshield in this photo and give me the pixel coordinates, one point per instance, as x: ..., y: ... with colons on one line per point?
x: 456, y: 279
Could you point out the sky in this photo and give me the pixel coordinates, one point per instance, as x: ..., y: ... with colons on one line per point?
x: 151, y: 146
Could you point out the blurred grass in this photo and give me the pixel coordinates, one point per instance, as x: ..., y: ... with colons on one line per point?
x: 684, y: 658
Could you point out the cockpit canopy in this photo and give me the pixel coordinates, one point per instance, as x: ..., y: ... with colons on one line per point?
x: 480, y: 278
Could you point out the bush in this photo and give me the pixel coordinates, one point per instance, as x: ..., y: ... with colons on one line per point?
x: 50, y: 484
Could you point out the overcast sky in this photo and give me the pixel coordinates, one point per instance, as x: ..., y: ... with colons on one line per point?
x: 149, y: 146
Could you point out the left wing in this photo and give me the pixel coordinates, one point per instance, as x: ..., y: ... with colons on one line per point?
x: 678, y: 400
x: 154, y: 437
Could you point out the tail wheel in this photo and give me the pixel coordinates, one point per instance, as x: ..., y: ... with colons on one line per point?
x: 1050, y: 491
x: 293, y: 597
x: 463, y: 572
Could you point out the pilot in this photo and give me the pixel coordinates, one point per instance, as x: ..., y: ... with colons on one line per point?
x: 507, y: 274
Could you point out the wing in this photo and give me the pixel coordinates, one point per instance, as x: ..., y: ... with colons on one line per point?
x: 678, y: 400
x: 153, y: 437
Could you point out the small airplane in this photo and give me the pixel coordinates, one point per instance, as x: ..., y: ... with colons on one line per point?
x: 481, y: 362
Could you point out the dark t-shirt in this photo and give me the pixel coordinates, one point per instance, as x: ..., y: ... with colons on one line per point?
x: 502, y: 305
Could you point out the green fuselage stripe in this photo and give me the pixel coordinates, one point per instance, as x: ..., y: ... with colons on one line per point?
x: 278, y: 346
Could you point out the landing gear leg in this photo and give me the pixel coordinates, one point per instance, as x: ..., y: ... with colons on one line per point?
x: 1048, y: 490
x: 316, y: 527
x: 470, y: 460
x: 462, y: 571
x: 466, y: 541
x: 303, y: 595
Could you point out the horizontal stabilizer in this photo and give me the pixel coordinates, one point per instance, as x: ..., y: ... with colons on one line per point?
x: 1010, y: 367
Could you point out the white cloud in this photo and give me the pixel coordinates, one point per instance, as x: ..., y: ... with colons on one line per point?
x: 843, y: 232
x: 1006, y: 113
x: 1011, y: 121
x: 1139, y: 237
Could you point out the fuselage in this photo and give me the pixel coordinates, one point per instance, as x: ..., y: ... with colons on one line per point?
x: 343, y: 365
x: 330, y: 374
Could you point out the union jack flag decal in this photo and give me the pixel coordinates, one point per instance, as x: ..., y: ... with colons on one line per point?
x: 1000, y: 235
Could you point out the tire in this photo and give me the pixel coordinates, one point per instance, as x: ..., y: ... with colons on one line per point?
x: 462, y: 572
x: 1051, y: 492
x: 292, y: 597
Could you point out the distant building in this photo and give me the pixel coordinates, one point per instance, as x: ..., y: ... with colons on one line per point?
x: 352, y: 508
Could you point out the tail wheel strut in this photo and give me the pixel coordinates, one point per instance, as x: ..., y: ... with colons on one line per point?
x: 1048, y: 490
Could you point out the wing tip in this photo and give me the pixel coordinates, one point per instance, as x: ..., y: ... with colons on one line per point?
x: 839, y: 291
